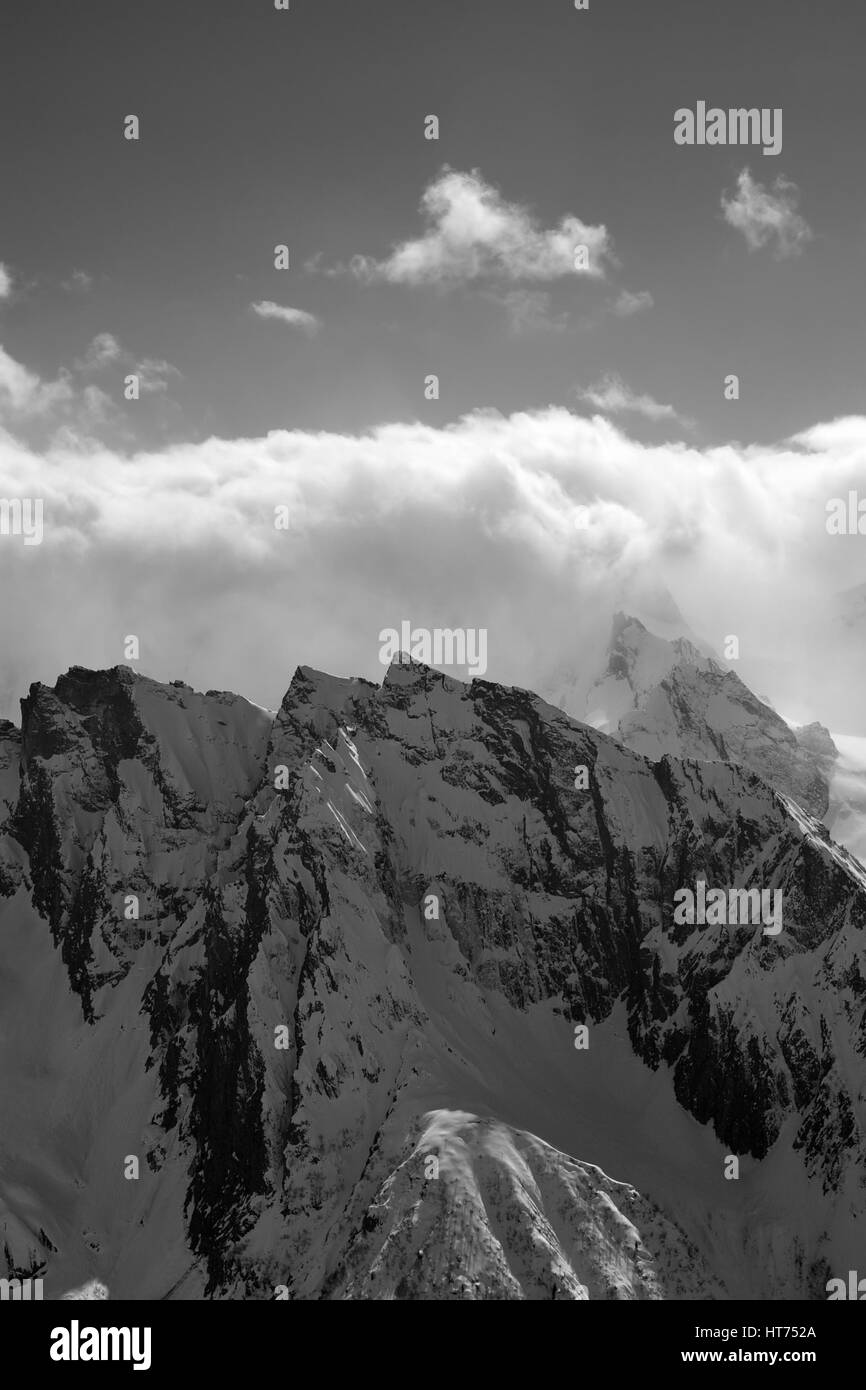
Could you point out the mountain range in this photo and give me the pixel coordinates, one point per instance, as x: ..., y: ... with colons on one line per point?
x: 381, y: 995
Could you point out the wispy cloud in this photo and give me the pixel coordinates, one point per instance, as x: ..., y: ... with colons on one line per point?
x: 627, y: 303
x: 153, y: 373
x: 530, y: 311
x: 72, y: 410
x: 296, y: 318
x: 79, y: 282
x: 612, y: 397
x: 767, y: 215
x: 5, y: 281
x: 102, y: 351
x: 474, y: 233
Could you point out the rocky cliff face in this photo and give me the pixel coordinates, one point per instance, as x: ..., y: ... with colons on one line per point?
x: 384, y: 997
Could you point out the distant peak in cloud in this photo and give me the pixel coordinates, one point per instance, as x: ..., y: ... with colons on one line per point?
x: 296, y: 318
x: 612, y: 397
x: 474, y: 233
x: 767, y: 215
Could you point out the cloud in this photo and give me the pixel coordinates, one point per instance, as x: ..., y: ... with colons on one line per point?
x: 526, y: 524
x: 529, y: 311
x: 97, y: 405
x: 23, y: 395
x: 627, y: 303
x: 612, y: 396
x: 5, y: 281
x: 153, y: 372
x: 104, y: 350
x: 473, y: 233
x: 767, y: 215
x: 70, y: 409
x: 79, y: 282
x: 296, y: 318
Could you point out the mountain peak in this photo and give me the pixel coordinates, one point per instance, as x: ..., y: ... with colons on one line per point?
x: 660, y: 696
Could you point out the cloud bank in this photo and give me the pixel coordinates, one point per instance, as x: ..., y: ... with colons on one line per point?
x: 532, y: 525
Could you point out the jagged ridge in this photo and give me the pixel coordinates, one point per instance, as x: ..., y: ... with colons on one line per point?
x: 282, y: 869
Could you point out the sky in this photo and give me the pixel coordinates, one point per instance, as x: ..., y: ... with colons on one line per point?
x: 581, y: 440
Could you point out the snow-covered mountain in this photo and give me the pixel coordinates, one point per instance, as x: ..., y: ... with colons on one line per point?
x: 294, y: 1006
x: 661, y: 696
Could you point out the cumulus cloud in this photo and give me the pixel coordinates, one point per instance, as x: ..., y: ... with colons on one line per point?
x: 5, y: 281
x: 767, y: 215
x: 296, y: 318
x: 627, y: 303
x: 612, y: 397
x: 474, y: 233
x: 530, y: 525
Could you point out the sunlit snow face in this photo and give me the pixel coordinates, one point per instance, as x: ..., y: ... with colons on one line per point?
x: 92, y: 1289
